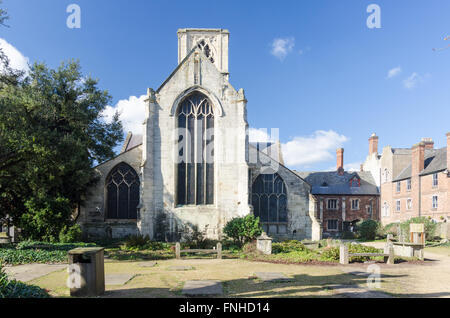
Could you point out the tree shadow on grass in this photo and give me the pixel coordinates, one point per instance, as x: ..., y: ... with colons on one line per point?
x: 353, y: 285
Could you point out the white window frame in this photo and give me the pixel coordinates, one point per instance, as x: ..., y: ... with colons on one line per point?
x: 435, y: 180
x: 357, y: 204
x: 328, y: 204
x: 409, y: 205
x: 434, y: 206
x: 385, y: 209
x: 398, y: 205
x: 398, y: 186
x: 408, y: 185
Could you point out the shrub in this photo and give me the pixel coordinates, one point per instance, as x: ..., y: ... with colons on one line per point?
x: 249, y: 248
x: 70, y: 234
x: 391, y: 228
x: 45, y: 218
x: 136, y: 242
x: 333, y: 253
x: 430, y: 227
x: 27, y: 252
x: 367, y: 230
x: 347, y: 235
x: 287, y: 247
x: 243, y: 230
x: 15, y: 289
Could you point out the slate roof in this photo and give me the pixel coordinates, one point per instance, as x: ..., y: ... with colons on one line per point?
x: 131, y: 141
x: 435, y: 161
x: 340, y: 185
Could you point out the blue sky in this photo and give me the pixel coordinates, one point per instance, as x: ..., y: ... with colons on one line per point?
x: 332, y: 88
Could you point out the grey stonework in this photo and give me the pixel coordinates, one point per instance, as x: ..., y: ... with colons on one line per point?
x: 159, y: 216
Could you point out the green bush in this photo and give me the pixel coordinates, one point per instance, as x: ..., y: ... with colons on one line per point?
x: 45, y: 218
x: 28, y: 252
x: 330, y: 254
x: 70, y: 234
x: 243, y: 230
x: 140, y: 243
x: 367, y: 230
x: 15, y: 289
x: 347, y: 235
x: 430, y: 227
x: 287, y: 247
x: 136, y: 242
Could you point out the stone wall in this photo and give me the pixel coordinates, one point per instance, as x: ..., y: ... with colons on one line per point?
x: 92, y: 218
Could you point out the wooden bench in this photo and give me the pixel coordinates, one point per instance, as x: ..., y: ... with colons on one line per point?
x: 344, y: 255
x: 217, y: 251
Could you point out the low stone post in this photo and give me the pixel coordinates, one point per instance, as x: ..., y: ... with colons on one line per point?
x: 390, y: 260
x: 343, y: 254
x: 264, y: 244
x: 219, y: 250
x: 178, y: 250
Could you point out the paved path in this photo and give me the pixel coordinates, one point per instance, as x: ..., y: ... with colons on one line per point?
x: 27, y: 272
x: 431, y: 279
x: 202, y: 288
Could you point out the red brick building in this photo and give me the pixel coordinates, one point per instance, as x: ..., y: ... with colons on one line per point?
x: 343, y: 198
x: 414, y: 181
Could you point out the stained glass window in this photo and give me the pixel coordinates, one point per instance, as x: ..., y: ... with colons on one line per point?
x: 269, y: 200
x: 122, y: 192
x: 195, y: 183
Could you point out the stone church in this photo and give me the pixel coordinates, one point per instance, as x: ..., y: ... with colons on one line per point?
x: 193, y: 165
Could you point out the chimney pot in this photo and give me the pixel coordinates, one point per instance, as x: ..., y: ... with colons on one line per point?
x: 429, y: 143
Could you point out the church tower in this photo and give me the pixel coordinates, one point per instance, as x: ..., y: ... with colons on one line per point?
x: 213, y: 43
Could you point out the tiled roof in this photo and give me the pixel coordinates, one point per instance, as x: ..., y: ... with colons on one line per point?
x: 330, y: 182
x: 435, y: 161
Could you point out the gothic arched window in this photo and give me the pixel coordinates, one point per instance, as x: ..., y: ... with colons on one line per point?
x: 122, y: 192
x: 195, y: 173
x: 269, y: 199
x: 202, y: 45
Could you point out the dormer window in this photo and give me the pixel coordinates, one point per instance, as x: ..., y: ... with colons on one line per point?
x: 202, y: 45
x: 355, y: 182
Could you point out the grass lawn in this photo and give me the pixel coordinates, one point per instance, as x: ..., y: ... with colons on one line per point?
x: 235, y: 274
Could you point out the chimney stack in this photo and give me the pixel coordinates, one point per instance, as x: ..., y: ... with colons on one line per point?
x: 373, y: 144
x: 429, y: 143
x: 448, y: 151
x: 340, y: 161
x: 417, y: 158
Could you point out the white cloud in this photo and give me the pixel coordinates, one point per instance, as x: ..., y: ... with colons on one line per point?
x: 260, y: 135
x: 318, y: 147
x: 412, y: 81
x: 16, y: 59
x: 281, y: 47
x: 353, y: 166
x: 304, y: 151
x: 132, y: 113
x: 394, y: 72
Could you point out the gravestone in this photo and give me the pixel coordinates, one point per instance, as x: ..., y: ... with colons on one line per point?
x: 180, y: 268
x: 147, y: 264
x: 264, y: 244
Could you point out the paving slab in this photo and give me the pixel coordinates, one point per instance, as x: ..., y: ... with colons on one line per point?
x: 180, y: 268
x: 147, y: 264
x: 202, y: 287
x: 28, y: 272
x: 273, y: 277
x: 118, y: 279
